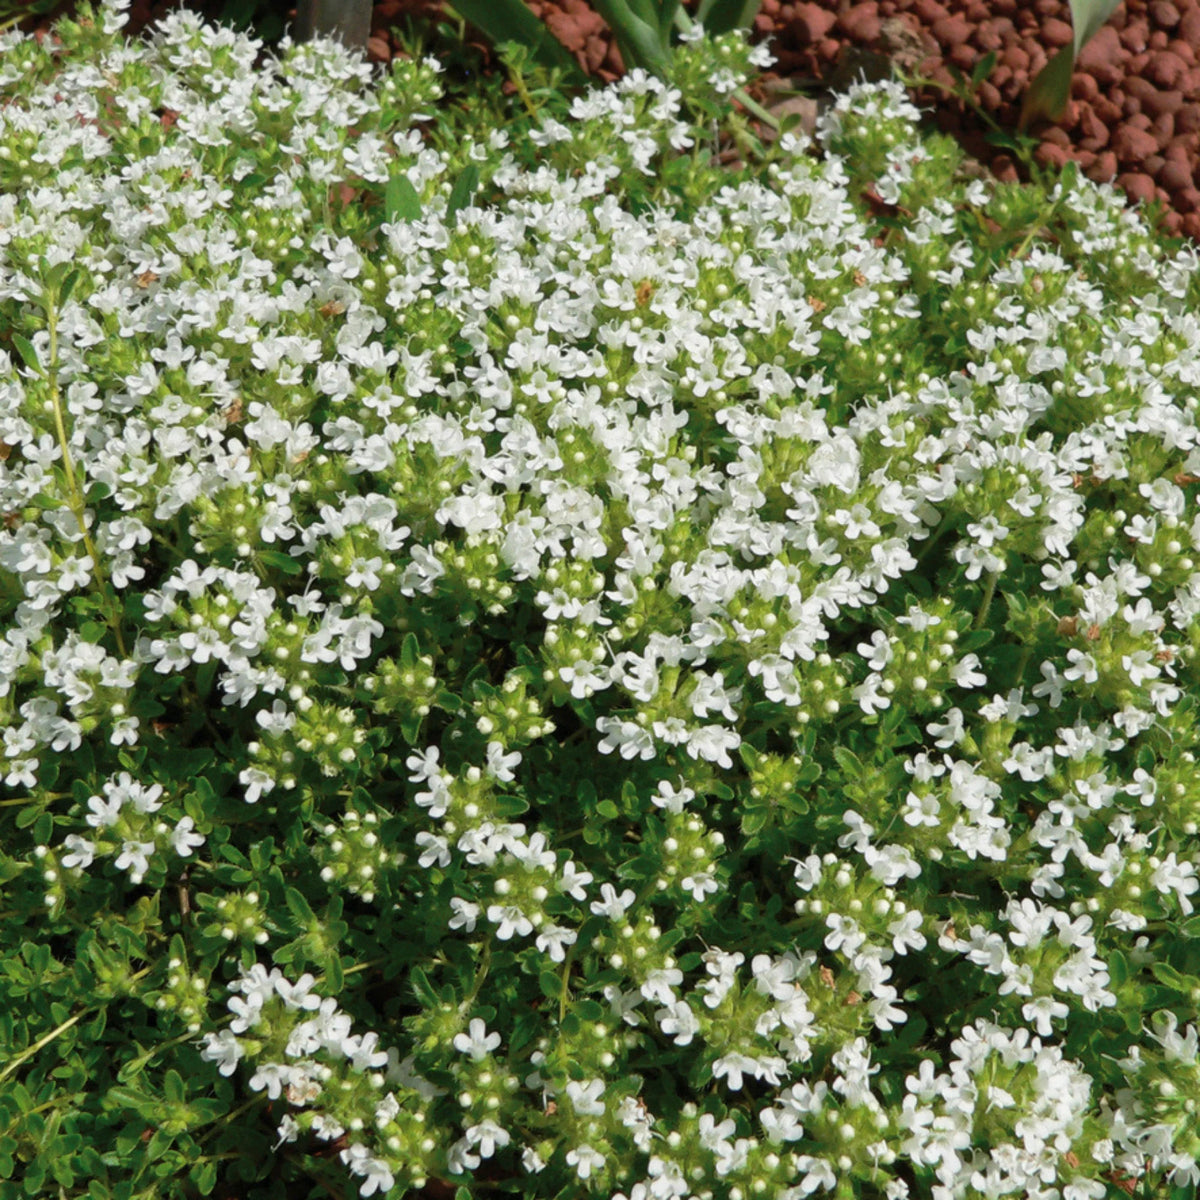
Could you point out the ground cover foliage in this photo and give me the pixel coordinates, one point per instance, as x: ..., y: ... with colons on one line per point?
x: 536, y: 662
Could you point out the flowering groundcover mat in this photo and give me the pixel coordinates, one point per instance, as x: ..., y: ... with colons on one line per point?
x: 537, y: 663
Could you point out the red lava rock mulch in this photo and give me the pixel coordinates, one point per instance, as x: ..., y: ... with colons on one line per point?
x: 1134, y: 116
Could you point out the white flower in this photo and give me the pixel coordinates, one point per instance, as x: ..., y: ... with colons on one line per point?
x: 553, y: 940
x: 586, y: 1097
x: 585, y: 1160
x: 184, y: 838
x: 224, y: 1049
x: 1179, y: 877
x: 510, y: 919
x: 574, y: 881
x: 273, y: 1077
x: 488, y: 1137
x: 476, y: 1042
x: 82, y: 852
x: 610, y: 904
x: 136, y: 857
x: 731, y: 1068
x: 678, y: 1021
x: 465, y: 915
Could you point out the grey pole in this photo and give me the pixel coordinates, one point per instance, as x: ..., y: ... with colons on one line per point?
x: 347, y: 20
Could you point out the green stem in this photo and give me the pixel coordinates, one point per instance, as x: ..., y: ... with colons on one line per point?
x: 988, y: 592
x: 484, y: 962
x: 228, y: 1118
x: 55, y: 1033
x: 685, y: 24
x: 518, y: 81
x: 77, y: 504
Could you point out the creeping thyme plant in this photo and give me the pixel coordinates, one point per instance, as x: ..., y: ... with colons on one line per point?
x: 536, y: 663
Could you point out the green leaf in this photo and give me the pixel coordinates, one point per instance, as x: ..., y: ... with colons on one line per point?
x: 608, y: 810
x: 173, y: 1088
x: 27, y: 352
x: 422, y: 988
x: 983, y: 68
x: 720, y: 16
x: 550, y: 984
x: 204, y: 1176
x: 300, y: 909
x: 1165, y: 973
x: 69, y: 283
x: 281, y: 562
x: 511, y: 21
x: 643, y: 40
x: 400, y: 200
x: 463, y: 190
x: 1048, y: 94
x: 755, y: 821
x: 848, y: 762
x: 1118, y: 968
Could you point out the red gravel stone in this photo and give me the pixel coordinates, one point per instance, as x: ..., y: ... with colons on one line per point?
x: 1138, y: 187
x: 1057, y: 33
x: 1164, y: 14
x: 1050, y: 155
x: 964, y: 57
x: 952, y: 31
x: 1017, y: 59
x: 988, y: 37
x: 1132, y: 145
x: 1163, y: 129
x: 989, y: 95
x: 1187, y: 120
x: 1005, y: 169
x: 1166, y: 69
x: 1175, y: 176
x: 1184, y: 51
x: 1189, y: 26
x: 813, y: 22
x: 929, y: 11
x: 1104, y: 169
x: 1135, y: 36
x: 1157, y: 103
x: 1103, y: 57
x: 861, y: 23
x: 1095, y: 132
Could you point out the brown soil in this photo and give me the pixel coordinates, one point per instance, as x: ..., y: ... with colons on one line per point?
x: 1134, y: 117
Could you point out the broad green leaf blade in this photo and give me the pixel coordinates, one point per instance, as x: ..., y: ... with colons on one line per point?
x: 643, y: 41
x: 69, y: 283
x: 1087, y: 16
x: 983, y: 68
x: 720, y: 16
x: 463, y: 190
x: 1049, y: 93
x: 400, y: 200
x: 510, y: 21
x: 28, y: 353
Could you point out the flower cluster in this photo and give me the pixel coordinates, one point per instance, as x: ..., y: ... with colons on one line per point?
x: 706, y: 669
